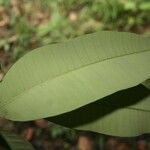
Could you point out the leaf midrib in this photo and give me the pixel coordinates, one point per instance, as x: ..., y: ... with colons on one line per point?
x: 138, y: 109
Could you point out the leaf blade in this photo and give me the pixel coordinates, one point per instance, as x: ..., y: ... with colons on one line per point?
x: 74, y: 72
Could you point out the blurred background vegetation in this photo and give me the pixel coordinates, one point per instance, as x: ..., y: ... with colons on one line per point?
x: 28, y: 24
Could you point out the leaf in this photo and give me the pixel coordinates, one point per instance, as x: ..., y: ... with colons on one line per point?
x: 125, y: 113
x: 147, y: 83
x: 58, y: 78
x: 15, y: 142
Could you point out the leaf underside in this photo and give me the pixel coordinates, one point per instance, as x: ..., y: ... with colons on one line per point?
x: 59, y: 78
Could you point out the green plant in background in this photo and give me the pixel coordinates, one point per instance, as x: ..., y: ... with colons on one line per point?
x: 93, y: 82
x: 27, y: 27
x: 14, y: 142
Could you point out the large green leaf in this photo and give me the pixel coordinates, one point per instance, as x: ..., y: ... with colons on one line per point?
x: 125, y: 113
x: 15, y: 142
x: 58, y: 78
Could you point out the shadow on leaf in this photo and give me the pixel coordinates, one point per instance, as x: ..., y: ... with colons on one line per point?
x: 102, y: 107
